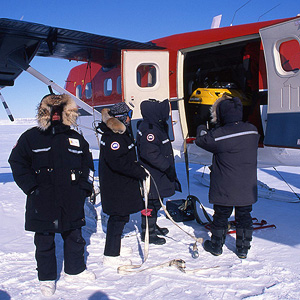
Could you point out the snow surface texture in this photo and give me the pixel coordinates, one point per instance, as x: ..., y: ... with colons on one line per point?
x: 271, y: 271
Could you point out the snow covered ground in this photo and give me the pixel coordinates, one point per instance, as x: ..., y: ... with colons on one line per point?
x: 271, y: 271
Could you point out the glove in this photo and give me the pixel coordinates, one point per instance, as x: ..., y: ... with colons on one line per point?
x: 171, y: 173
x: 201, y: 130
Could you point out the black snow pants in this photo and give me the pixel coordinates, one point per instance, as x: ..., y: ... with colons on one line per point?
x: 74, y: 262
x: 115, y: 226
x: 242, y: 216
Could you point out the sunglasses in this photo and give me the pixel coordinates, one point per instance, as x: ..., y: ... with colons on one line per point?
x: 129, y: 114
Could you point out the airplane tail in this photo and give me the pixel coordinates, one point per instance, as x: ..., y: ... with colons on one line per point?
x: 216, y: 22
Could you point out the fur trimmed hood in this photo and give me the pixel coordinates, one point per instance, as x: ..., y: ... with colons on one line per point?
x: 112, y: 123
x: 44, y: 110
x: 226, y: 109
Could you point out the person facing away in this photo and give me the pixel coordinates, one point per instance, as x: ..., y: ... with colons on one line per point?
x: 53, y: 166
x: 156, y: 154
x: 119, y: 176
x: 233, y: 177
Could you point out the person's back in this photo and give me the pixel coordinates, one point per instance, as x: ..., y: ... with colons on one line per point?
x: 234, y: 163
x: 234, y: 169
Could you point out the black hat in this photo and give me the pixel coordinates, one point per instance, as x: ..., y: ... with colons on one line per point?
x: 230, y: 110
x: 120, y: 111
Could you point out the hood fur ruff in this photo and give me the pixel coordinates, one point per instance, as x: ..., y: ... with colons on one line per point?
x: 44, y: 110
x: 112, y: 123
x: 213, y: 109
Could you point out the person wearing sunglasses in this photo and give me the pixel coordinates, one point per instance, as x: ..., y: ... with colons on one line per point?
x: 119, y: 176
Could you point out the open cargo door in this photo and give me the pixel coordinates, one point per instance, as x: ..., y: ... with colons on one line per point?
x: 145, y: 75
x: 281, y: 43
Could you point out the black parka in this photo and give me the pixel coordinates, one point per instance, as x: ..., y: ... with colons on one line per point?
x: 155, y: 149
x: 233, y: 177
x: 119, y: 171
x: 54, y: 168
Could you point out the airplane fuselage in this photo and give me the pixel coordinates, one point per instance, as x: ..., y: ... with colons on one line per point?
x: 258, y: 62
x: 201, y: 65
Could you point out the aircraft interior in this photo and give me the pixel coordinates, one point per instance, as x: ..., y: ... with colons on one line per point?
x: 228, y: 68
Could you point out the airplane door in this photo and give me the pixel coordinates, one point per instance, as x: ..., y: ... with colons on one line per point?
x: 281, y: 43
x: 145, y: 75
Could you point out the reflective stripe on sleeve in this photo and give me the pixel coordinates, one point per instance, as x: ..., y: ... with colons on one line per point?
x: 75, y: 151
x: 41, y: 150
x: 229, y: 136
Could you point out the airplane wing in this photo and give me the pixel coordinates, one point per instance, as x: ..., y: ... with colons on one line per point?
x: 20, y: 41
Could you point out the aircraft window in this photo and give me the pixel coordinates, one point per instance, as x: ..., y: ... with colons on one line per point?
x: 107, y: 86
x: 138, y: 78
x: 79, y: 91
x: 146, y: 75
x: 290, y: 55
x: 119, y: 85
x: 88, y: 90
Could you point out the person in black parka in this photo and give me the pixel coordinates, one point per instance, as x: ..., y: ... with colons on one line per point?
x: 119, y: 175
x: 233, y: 178
x: 53, y: 166
x: 156, y: 154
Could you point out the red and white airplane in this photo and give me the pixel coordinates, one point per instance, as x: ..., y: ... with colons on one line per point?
x: 259, y: 62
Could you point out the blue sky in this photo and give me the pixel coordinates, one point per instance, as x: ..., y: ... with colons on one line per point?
x: 137, y: 20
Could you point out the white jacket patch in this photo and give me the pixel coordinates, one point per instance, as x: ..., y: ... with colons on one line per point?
x: 74, y: 142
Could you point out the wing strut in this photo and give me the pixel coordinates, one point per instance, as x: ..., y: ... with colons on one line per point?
x: 89, y: 109
x: 19, y: 62
x: 6, y: 108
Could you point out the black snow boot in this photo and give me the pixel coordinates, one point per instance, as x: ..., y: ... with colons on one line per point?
x: 153, y: 238
x: 161, y: 230
x: 243, y: 239
x: 214, y: 246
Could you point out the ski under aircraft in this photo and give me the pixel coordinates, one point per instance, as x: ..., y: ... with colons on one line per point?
x: 258, y: 62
